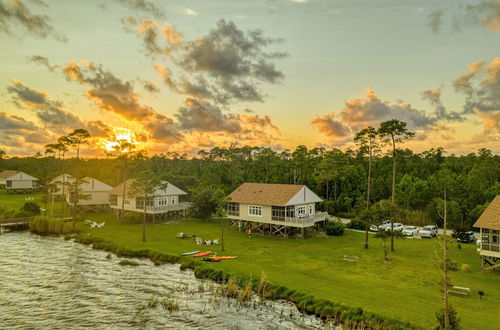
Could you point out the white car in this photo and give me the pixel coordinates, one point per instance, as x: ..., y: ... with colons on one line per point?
x: 428, y: 231
x: 373, y: 228
x: 384, y: 225
x: 398, y: 226
x: 410, y: 230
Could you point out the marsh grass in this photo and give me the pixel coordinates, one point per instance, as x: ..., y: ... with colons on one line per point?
x: 128, y: 262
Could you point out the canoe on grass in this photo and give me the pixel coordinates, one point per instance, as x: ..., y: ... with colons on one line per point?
x: 211, y: 259
x: 223, y: 257
x: 189, y: 253
x: 202, y: 254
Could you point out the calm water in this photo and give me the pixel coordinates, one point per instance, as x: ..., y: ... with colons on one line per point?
x: 49, y: 283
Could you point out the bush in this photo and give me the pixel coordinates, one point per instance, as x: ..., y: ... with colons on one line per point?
x: 31, y: 208
x: 465, y: 268
x: 454, y: 319
x: 334, y: 228
x: 357, y: 223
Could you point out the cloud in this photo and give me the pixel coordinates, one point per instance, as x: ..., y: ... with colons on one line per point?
x: 41, y: 60
x: 151, y: 86
x: 198, y: 116
x: 116, y: 96
x: 225, y: 66
x: 481, y: 85
x: 158, y: 38
x: 143, y: 6
x: 485, y: 14
x: 12, y: 122
x: 189, y: 12
x: 434, y: 98
x: 51, y: 113
x: 15, y: 12
x: 435, y: 20
x: 329, y: 126
x: 359, y: 113
x: 204, y: 117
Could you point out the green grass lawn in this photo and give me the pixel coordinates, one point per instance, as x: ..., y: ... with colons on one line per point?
x: 406, y: 289
x: 16, y: 201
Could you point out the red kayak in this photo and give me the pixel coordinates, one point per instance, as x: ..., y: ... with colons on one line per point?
x: 202, y: 254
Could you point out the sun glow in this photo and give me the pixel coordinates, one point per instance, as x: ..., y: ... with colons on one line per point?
x: 120, y: 134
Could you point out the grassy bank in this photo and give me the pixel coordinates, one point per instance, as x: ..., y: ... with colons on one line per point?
x: 16, y: 201
x: 405, y: 289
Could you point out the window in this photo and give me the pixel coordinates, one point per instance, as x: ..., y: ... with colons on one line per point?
x: 9, y: 183
x: 113, y: 200
x: 278, y: 213
x: 255, y: 210
x: 233, y: 209
x: 139, y: 203
x: 311, y: 209
x: 301, y: 211
x: 490, y: 240
x: 126, y: 201
x: 173, y: 200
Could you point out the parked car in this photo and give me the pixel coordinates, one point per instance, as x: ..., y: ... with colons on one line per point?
x: 410, y: 230
x: 433, y: 228
x: 466, y: 237
x: 384, y: 225
x: 373, y: 228
x: 428, y: 231
x: 398, y: 226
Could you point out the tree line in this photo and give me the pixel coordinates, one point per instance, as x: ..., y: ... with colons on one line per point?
x: 350, y: 181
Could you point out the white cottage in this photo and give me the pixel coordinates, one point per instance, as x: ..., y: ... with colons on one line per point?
x: 163, y: 200
x: 489, y: 225
x: 4, y: 175
x: 21, y: 182
x: 274, y: 209
x: 92, y: 192
x: 60, y: 188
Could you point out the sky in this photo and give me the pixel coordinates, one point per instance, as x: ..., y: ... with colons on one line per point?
x: 184, y: 76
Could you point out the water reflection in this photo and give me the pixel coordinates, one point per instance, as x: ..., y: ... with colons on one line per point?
x: 50, y: 283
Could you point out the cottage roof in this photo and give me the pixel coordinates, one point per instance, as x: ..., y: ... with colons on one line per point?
x: 490, y: 218
x: 170, y: 190
x: 7, y: 174
x: 91, y: 184
x: 21, y: 176
x: 273, y: 194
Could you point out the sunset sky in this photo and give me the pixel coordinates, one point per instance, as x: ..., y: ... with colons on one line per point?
x: 191, y: 75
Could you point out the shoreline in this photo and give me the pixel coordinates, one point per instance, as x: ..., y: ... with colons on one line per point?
x: 329, y: 311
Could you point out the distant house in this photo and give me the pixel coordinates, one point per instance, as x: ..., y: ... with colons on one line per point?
x: 165, y: 200
x: 4, y: 175
x: 489, y: 225
x: 91, y: 192
x: 21, y: 182
x: 275, y: 209
x: 58, y: 183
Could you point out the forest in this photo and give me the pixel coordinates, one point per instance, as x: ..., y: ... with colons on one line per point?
x: 339, y: 177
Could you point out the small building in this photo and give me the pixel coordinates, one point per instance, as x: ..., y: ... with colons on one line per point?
x: 165, y: 200
x: 60, y: 184
x: 4, y: 175
x: 21, y: 182
x: 275, y: 209
x: 92, y: 192
x: 489, y: 225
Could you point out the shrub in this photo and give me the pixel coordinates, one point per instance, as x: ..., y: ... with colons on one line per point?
x: 31, y: 207
x: 334, y: 228
x: 357, y: 223
x: 454, y: 319
x: 465, y: 268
